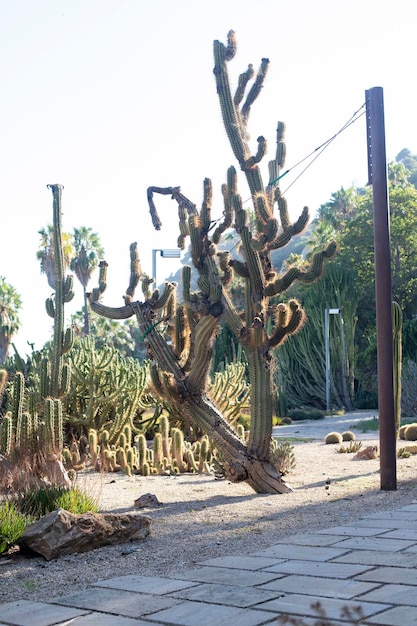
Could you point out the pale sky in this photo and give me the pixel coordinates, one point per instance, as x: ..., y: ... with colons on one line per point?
x: 108, y: 97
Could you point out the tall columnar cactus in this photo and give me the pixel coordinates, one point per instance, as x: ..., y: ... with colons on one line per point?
x: 182, y: 363
x: 397, y: 322
x: 56, y: 375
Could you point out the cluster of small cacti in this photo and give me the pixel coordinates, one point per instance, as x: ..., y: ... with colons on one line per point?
x: 282, y: 456
x: 408, y: 432
x: 24, y: 431
x: 169, y: 454
x: 335, y: 437
x: 407, y: 451
x: 230, y: 391
x: 106, y: 389
x: 353, y: 446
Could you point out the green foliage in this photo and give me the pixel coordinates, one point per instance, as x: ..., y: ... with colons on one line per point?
x: 368, y: 425
x: 10, y: 305
x: 409, y: 388
x: 12, y: 524
x: 39, y: 501
x: 305, y: 414
x: 301, y: 375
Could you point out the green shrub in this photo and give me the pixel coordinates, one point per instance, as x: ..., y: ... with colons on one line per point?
x: 333, y: 438
x: 12, y: 525
x: 286, y: 420
x: 306, y: 414
x: 38, y: 502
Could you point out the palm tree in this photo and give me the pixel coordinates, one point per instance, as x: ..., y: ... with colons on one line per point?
x: 340, y: 207
x: 88, y: 252
x: 10, y: 304
x: 45, y: 254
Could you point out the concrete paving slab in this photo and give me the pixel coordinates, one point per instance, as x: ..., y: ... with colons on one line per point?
x: 374, y: 543
x: 394, y: 575
x: 228, y: 595
x: 117, y: 602
x: 398, y: 515
x: 374, y: 558
x: 104, y: 619
x: 398, y: 616
x: 192, y: 613
x: 307, y: 553
x: 252, y: 563
x: 227, y: 576
x: 299, y: 604
x: 316, y: 539
x: 318, y: 586
x: 144, y: 584
x: 353, y: 531
x: 397, y: 594
x: 319, y: 568
x: 27, y: 613
x: 389, y: 524
x: 409, y: 534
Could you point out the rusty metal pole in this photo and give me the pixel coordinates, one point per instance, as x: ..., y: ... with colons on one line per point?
x: 377, y: 169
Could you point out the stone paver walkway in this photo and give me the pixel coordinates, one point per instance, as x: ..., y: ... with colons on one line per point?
x: 369, y: 565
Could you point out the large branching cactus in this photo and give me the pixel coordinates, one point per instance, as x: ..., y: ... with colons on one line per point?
x: 180, y: 336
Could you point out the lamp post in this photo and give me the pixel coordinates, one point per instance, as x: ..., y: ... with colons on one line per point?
x: 328, y: 312
x: 166, y: 254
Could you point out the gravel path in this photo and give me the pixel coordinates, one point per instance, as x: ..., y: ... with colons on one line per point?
x: 201, y: 518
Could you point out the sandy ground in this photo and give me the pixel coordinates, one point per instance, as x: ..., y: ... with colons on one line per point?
x: 201, y: 518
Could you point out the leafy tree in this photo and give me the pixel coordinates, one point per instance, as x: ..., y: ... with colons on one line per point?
x: 409, y: 160
x: 10, y: 305
x: 88, y: 252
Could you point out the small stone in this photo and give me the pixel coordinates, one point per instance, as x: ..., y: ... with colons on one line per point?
x: 148, y: 500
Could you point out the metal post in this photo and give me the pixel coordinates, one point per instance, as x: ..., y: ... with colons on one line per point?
x: 383, y: 290
x: 326, y: 343
x: 167, y: 254
x: 154, y: 264
x: 328, y: 312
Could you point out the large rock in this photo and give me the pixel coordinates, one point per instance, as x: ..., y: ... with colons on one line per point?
x: 61, y: 532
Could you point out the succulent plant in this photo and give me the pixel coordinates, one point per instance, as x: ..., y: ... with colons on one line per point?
x: 333, y: 437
